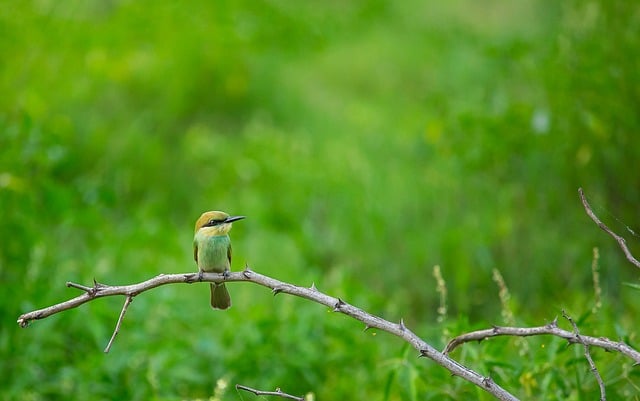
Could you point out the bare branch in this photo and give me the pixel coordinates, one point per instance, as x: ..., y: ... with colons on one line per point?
x: 277, y: 393
x: 587, y: 354
x: 127, y: 301
x: 549, y: 329
x: 312, y: 294
x: 100, y: 290
x: 621, y: 241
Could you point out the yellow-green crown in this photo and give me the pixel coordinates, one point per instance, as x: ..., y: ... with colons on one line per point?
x: 206, y: 217
x: 220, y: 222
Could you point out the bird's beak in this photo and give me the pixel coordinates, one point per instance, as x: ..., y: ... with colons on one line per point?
x: 233, y: 218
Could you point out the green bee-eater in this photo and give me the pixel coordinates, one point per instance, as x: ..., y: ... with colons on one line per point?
x: 212, y: 251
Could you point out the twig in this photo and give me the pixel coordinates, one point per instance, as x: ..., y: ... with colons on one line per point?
x: 587, y: 354
x: 81, y: 287
x: 312, y: 294
x: 127, y: 301
x: 277, y: 393
x: 621, y: 241
x: 549, y: 329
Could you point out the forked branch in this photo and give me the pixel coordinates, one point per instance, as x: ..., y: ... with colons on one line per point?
x: 549, y: 329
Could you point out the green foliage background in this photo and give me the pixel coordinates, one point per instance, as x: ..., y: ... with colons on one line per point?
x: 366, y: 141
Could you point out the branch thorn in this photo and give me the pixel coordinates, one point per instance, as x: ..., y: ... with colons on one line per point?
x: 487, y: 381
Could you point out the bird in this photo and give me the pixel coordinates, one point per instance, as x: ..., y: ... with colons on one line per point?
x: 212, y: 251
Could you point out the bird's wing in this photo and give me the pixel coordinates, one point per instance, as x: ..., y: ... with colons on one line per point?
x: 195, y: 251
x: 229, y: 253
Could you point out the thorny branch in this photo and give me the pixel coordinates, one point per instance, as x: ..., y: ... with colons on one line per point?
x: 277, y: 393
x: 371, y: 321
x: 549, y: 329
x: 336, y: 304
x: 621, y: 241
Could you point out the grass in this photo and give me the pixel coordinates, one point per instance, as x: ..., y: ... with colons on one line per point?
x: 366, y: 142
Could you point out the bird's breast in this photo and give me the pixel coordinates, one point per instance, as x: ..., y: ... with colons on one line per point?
x: 213, y: 252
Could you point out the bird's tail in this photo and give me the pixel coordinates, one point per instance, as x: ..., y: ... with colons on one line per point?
x: 220, y: 298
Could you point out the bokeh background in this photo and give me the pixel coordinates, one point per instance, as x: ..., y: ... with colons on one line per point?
x: 366, y: 141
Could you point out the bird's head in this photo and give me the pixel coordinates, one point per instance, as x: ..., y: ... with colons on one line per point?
x: 215, y: 222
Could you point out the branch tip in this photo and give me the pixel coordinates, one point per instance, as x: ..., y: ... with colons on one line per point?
x: 127, y: 301
x: 88, y: 290
x: 619, y: 239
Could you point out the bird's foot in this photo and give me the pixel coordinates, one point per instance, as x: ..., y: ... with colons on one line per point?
x: 225, y: 274
x: 200, y: 274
